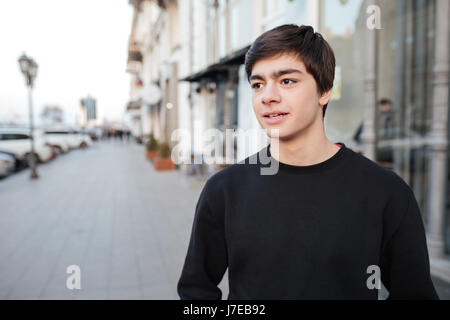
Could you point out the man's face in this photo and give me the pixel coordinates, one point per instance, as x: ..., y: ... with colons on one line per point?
x: 285, y: 96
x: 385, y: 107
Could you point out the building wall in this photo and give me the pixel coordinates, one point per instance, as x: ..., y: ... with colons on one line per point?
x: 193, y: 35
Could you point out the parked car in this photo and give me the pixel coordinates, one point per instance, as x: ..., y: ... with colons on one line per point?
x: 55, y: 151
x: 7, y: 164
x: 84, y: 138
x: 17, y: 142
x: 72, y: 138
x: 57, y: 140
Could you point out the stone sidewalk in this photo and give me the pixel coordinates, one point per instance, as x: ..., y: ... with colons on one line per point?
x: 104, y: 209
x: 107, y: 211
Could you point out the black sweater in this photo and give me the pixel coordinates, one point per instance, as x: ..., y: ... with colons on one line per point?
x: 307, y: 232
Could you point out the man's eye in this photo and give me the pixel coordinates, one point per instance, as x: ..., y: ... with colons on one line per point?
x: 255, y: 85
x: 286, y: 81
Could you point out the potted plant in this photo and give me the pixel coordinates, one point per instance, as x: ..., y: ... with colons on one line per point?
x: 152, y: 147
x: 163, y: 162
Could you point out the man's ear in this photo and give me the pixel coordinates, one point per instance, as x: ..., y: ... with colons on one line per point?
x: 325, y: 97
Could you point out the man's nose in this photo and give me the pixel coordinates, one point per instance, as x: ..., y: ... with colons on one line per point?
x: 270, y: 94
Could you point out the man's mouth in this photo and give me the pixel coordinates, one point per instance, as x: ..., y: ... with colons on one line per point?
x: 275, y: 115
x: 275, y: 118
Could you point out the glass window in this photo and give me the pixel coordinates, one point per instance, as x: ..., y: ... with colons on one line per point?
x: 405, y: 73
x: 212, y: 38
x: 14, y: 136
x: 222, y: 4
x: 343, y: 25
x: 241, y: 23
x: 222, y: 35
x: 234, y: 106
x: 403, y: 86
x: 273, y: 7
x: 220, y: 120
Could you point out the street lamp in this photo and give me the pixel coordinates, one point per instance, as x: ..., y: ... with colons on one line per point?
x: 29, y: 69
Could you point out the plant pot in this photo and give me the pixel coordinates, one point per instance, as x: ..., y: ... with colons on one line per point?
x: 221, y: 166
x: 152, y: 154
x: 164, y: 164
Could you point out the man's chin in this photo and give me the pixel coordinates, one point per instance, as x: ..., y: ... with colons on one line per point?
x: 273, y: 133
x: 280, y: 134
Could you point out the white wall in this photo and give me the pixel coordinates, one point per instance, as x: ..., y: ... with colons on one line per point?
x: 199, y: 35
x: 247, y: 121
x: 184, y: 69
x: 241, y: 23
x: 298, y: 12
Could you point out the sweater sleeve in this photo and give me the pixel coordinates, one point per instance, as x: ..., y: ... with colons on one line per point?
x: 405, y: 266
x: 206, y: 259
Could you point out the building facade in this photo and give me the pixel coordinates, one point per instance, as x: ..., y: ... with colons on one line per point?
x: 88, y: 112
x: 390, y: 96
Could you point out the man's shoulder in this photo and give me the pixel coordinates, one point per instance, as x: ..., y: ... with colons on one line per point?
x: 377, y: 175
x: 229, y: 173
x: 232, y: 174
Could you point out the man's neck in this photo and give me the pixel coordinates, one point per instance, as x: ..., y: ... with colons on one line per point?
x: 305, y: 150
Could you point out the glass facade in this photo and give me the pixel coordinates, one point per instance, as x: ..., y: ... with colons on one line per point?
x: 403, y: 90
x: 405, y: 62
x: 342, y: 23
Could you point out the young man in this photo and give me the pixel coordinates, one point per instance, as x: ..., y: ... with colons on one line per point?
x: 328, y: 224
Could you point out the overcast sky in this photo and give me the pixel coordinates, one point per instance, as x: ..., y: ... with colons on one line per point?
x: 80, y: 47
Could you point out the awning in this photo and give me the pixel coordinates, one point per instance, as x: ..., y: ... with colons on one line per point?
x: 220, y: 68
x: 134, y: 104
x: 134, y: 55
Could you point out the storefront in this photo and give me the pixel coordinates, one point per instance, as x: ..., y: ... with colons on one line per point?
x: 407, y: 90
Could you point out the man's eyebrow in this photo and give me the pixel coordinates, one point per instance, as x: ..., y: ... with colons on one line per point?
x: 275, y: 74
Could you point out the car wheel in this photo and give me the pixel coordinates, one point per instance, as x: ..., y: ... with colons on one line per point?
x: 59, y: 149
x: 83, y: 145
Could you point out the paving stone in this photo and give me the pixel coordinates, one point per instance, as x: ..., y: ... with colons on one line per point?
x: 106, y: 210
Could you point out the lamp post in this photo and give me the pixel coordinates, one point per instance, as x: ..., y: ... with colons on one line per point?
x: 29, y: 69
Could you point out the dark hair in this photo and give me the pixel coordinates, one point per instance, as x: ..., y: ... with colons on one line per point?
x: 303, y: 42
x: 385, y: 101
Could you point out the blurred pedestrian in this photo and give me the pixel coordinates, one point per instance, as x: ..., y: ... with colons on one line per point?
x: 386, y: 122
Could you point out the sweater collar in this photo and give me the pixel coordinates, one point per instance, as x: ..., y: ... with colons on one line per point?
x: 323, y: 166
